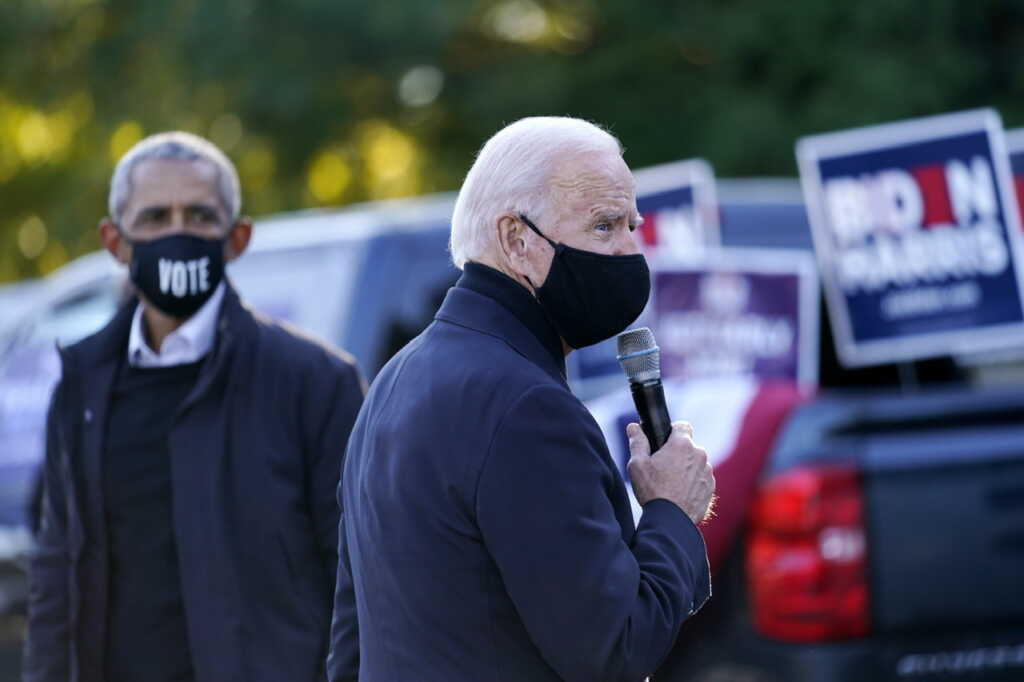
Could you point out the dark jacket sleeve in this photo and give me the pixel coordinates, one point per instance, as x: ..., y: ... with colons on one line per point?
x: 595, y: 607
x: 343, y: 659
x: 331, y: 408
x: 47, y: 644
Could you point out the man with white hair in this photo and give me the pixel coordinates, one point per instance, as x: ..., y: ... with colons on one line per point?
x: 189, y: 527
x: 486, y: 533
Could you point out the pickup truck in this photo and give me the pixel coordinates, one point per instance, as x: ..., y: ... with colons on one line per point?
x: 872, y: 529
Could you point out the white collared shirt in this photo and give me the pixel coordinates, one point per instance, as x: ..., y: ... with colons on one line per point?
x: 188, y: 343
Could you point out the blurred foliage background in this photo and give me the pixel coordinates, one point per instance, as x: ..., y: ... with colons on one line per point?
x: 325, y: 102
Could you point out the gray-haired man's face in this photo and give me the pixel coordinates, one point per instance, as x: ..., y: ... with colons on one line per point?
x: 174, y: 197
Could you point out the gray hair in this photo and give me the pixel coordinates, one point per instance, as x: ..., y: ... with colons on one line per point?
x: 512, y: 173
x: 174, y: 146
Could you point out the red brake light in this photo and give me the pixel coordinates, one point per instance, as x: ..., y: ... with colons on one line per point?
x: 806, y: 567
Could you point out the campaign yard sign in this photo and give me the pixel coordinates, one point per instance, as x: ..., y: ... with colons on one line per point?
x: 679, y: 206
x: 680, y: 216
x: 917, y: 234
x: 1015, y: 148
x: 739, y: 312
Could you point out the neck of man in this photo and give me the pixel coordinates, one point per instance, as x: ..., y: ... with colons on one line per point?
x: 157, y: 325
x: 523, y: 282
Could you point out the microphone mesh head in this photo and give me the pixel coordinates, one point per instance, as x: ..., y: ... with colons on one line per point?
x: 639, y: 355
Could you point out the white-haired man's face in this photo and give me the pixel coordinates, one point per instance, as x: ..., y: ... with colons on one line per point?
x: 592, y: 207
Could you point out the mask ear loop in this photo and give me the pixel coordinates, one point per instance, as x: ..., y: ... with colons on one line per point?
x: 543, y: 236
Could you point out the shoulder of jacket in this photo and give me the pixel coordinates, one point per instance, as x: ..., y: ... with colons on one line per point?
x: 296, y: 347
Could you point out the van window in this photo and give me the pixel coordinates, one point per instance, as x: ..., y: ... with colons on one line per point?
x: 308, y: 286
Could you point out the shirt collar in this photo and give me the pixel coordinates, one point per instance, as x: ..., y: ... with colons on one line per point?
x: 516, y: 299
x: 188, y: 343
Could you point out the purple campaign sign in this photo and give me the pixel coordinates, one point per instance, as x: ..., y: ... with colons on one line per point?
x: 917, y: 233
x: 739, y: 312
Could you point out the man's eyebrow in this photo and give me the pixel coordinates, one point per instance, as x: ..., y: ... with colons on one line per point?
x: 203, y: 206
x: 150, y: 211
x: 633, y: 218
x: 608, y: 216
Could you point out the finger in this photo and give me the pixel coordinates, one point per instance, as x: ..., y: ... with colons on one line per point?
x: 638, y: 445
x: 682, y: 437
x: 686, y: 427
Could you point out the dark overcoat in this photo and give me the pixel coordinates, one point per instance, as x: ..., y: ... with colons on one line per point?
x: 486, y: 533
x: 255, y: 452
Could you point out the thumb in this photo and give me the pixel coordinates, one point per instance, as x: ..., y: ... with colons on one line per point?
x: 639, y: 448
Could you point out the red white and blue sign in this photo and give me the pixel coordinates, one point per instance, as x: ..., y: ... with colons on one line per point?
x: 1015, y: 148
x: 678, y: 204
x: 917, y: 234
x: 680, y: 215
x: 739, y: 312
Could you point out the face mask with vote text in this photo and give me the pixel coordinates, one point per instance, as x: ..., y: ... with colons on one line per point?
x: 177, y: 273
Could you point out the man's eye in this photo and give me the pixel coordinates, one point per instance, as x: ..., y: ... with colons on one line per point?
x: 150, y: 218
x: 202, y: 215
x: 603, y: 227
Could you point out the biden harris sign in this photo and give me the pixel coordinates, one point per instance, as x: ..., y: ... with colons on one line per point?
x: 917, y: 235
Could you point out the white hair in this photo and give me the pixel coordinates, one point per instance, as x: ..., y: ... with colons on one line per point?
x: 174, y: 146
x: 512, y: 173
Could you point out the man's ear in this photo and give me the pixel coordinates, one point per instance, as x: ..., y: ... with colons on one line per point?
x: 114, y: 243
x: 238, y: 239
x: 512, y: 242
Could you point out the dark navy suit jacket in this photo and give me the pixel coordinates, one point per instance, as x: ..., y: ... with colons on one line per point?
x: 486, y: 533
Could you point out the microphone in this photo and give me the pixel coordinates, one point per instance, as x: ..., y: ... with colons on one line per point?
x: 640, y: 358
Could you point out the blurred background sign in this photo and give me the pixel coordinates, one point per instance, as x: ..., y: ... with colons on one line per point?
x: 917, y: 234
x: 1015, y: 148
x: 738, y: 312
x: 678, y: 205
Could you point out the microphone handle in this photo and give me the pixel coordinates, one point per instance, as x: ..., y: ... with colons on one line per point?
x: 649, y: 398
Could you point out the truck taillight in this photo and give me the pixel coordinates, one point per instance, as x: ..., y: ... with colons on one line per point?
x: 806, y: 567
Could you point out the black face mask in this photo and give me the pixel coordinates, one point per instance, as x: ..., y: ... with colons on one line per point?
x: 178, y: 273
x: 590, y: 297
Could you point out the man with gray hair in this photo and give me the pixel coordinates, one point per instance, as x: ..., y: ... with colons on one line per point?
x: 486, y: 533
x: 188, y: 528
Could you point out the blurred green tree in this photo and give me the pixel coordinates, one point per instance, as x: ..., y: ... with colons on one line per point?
x: 333, y: 101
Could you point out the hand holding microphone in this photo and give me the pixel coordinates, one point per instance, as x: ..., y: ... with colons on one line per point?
x: 678, y: 470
